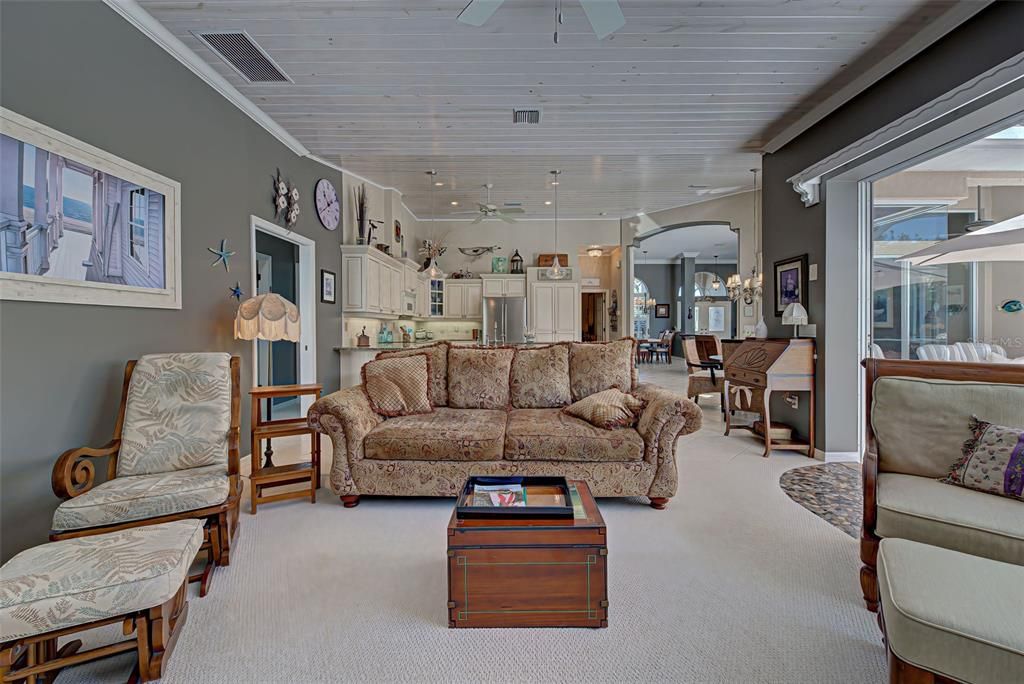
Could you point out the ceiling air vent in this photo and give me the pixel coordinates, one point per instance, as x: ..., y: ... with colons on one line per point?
x: 513, y: 204
x: 525, y: 116
x: 244, y: 56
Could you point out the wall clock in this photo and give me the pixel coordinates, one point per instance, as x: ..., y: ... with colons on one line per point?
x: 328, y: 208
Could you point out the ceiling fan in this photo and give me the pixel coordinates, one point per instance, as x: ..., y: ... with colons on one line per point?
x: 605, y: 16
x: 703, y: 190
x: 488, y: 210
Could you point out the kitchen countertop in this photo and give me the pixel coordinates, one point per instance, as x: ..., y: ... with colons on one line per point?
x: 424, y: 343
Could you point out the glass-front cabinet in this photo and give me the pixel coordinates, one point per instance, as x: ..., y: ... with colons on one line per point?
x: 436, y: 295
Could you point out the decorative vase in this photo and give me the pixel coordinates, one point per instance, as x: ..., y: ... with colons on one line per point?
x: 761, y: 329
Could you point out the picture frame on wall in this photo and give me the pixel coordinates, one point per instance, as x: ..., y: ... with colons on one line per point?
x: 790, y: 283
x: 83, y: 226
x: 328, y: 281
x: 661, y: 311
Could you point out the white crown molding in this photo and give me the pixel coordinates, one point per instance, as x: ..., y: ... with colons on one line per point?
x: 1008, y: 77
x: 953, y: 17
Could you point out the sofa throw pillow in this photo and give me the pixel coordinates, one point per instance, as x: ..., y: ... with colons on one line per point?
x: 398, y: 386
x: 478, y: 378
x: 597, y: 366
x: 540, y: 377
x: 438, y: 354
x: 992, y: 461
x: 609, y: 409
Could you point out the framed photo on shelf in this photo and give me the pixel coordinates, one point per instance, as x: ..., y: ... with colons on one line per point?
x: 790, y: 283
x: 661, y: 310
x: 328, y: 295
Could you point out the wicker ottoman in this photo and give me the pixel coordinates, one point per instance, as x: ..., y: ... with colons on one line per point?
x: 948, y: 616
x: 136, y: 577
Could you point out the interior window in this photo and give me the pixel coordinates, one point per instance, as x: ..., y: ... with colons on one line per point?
x: 641, y: 310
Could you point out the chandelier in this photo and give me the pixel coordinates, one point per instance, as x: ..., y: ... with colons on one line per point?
x: 595, y: 252
x: 748, y: 289
x: 646, y: 303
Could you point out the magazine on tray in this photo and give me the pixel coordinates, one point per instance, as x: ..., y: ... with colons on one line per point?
x: 503, y: 495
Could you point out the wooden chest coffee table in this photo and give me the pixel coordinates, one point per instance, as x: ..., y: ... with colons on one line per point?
x: 530, y: 572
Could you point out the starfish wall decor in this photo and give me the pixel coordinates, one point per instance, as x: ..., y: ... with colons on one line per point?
x: 236, y: 291
x: 222, y: 254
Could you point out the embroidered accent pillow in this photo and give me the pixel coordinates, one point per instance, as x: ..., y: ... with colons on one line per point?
x: 992, y: 461
x: 540, y: 377
x: 398, y: 386
x: 609, y: 409
x: 597, y: 366
x: 478, y: 378
x: 438, y: 354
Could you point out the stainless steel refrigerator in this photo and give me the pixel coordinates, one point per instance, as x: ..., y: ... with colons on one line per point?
x: 504, y: 320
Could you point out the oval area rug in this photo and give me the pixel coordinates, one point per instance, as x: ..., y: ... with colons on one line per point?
x: 832, y: 491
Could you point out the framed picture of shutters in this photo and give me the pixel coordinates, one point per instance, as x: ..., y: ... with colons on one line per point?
x: 81, y: 226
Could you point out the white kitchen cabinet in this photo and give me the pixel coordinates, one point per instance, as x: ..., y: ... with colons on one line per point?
x: 397, y: 288
x: 373, y: 283
x: 463, y: 299
x: 554, y: 311
x: 503, y: 285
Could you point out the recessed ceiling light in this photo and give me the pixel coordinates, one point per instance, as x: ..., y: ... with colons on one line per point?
x: 547, y: 201
x: 455, y: 203
x: 602, y: 213
x: 438, y: 183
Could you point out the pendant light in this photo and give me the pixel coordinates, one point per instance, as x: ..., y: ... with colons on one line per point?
x: 716, y: 282
x: 555, y: 271
x: 649, y: 302
x: 434, y: 271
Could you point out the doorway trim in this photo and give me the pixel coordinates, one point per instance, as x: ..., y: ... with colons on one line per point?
x: 307, y: 284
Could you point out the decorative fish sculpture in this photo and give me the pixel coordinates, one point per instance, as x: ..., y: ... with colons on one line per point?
x: 477, y: 252
x: 1012, y: 306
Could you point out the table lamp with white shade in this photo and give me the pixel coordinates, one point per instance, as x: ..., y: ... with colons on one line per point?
x: 272, y: 318
x: 795, y: 315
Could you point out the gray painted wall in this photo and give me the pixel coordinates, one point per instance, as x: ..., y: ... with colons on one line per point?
x: 789, y: 229
x: 663, y: 282
x: 76, y: 66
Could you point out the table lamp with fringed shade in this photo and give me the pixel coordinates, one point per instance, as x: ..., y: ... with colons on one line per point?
x: 272, y: 318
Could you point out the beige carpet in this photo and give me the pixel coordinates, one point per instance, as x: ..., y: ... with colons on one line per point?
x: 733, y: 582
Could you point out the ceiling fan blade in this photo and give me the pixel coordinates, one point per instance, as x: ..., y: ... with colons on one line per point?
x: 478, y: 219
x: 605, y: 16
x: 506, y: 219
x: 477, y: 12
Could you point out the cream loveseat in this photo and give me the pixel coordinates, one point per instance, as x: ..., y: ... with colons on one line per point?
x: 918, y: 423
x: 523, y: 430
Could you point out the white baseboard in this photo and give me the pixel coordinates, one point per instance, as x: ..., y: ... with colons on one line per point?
x: 837, y: 456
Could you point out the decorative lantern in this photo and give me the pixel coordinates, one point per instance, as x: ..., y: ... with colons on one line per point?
x: 516, y: 262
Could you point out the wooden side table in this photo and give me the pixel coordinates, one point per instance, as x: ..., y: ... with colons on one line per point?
x: 271, y: 475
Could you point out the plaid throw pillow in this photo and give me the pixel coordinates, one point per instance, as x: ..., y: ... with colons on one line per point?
x: 398, y: 386
x: 608, y: 410
x: 992, y: 461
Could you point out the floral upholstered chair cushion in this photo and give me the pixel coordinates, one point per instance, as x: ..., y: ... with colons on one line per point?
x: 140, y: 497
x: 438, y: 354
x: 73, y: 582
x: 540, y: 377
x: 478, y: 378
x: 607, y: 410
x: 992, y: 461
x: 177, y: 415
x: 398, y: 386
x: 597, y: 366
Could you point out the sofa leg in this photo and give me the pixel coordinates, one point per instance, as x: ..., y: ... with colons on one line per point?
x: 350, y: 501
x: 659, y: 502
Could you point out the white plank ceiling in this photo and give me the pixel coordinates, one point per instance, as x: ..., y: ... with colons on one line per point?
x: 684, y: 95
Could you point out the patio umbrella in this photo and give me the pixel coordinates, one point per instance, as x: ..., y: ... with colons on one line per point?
x: 1003, y: 241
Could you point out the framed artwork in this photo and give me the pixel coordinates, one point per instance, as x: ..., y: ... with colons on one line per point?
x: 82, y: 226
x: 499, y: 264
x: 661, y: 310
x: 881, y: 308
x: 328, y: 294
x: 790, y: 283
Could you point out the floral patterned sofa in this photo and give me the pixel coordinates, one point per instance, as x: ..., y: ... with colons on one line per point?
x: 498, y: 411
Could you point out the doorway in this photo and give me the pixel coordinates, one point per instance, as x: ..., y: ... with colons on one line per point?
x: 594, y: 316
x: 284, y: 262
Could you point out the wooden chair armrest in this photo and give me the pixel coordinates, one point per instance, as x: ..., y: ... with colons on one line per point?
x: 74, y: 472
x: 234, y: 442
x: 869, y: 471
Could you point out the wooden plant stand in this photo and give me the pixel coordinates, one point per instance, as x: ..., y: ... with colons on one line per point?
x: 270, y: 475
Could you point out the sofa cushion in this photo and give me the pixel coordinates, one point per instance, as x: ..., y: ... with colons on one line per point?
x: 478, y: 378
x: 76, y: 581
x: 540, y: 377
x: 398, y: 386
x: 608, y: 410
x: 438, y: 353
x: 597, y: 366
x: 139, y: 497
x: 447, y: 434
x: 993, y: 460
x: 935, y: 513
x: 178, y: 414
x: 952, y: 613
x: 551, y: 435
x: 920, y: 425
